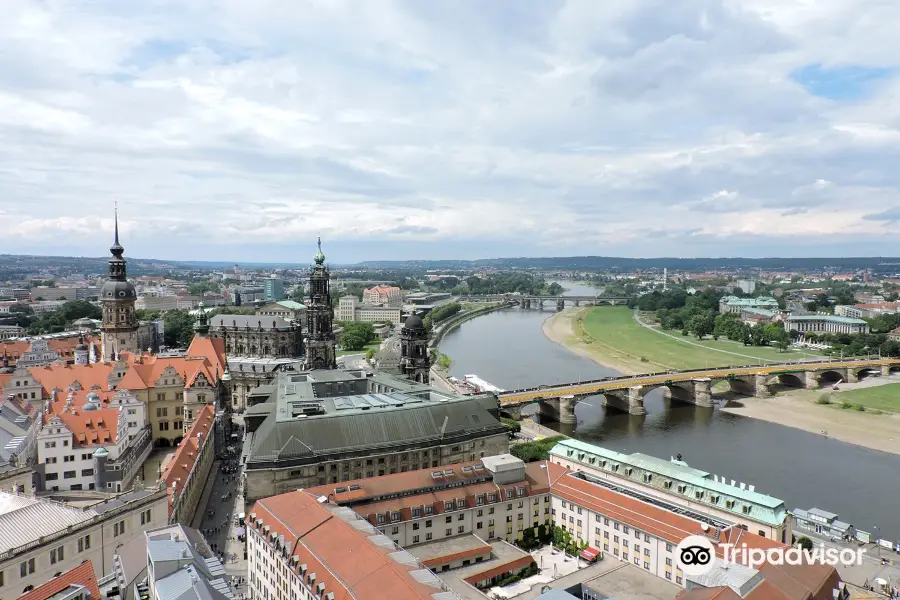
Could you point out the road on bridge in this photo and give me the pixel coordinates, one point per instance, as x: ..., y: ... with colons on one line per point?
x: 619, y: 383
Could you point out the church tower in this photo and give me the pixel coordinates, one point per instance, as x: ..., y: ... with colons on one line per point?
x: 119, y: 326
x: 320, y: 352
x: 414, y: 363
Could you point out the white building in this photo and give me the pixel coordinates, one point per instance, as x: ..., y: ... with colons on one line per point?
x: 351, y: 309
x: 748, y: 286
x: 825, y: 324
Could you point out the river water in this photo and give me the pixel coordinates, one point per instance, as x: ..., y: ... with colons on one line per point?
x: 509, y: 349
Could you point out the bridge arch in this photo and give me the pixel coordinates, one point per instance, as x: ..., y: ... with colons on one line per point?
x: 742, y: 386
x: 683, y: 393
x: 828, y: 378
x: 866, y: 372
x: 785, y: 381
x: 894, y: 369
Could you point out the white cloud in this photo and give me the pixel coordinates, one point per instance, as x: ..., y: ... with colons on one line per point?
x: 642, y: 128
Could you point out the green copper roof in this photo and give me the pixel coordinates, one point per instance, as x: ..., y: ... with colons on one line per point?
x: 763, y: 508
x: 319, y: 257
x: 290, y: 305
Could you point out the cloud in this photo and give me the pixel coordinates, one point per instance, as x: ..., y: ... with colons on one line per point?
x: 891, y: 215
x: 449, y: 128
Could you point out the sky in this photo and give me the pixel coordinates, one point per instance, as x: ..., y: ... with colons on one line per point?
x: 450, y: 129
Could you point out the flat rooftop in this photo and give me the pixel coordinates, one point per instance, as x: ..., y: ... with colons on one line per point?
x: 447, y: 547
x: 501, y: 553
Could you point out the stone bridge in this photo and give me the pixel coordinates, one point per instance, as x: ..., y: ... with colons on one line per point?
x: 531, y: 301
x: 626, y: 393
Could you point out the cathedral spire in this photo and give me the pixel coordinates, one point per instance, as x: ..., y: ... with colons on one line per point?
x: 116, y: 249
x: 319, y: 257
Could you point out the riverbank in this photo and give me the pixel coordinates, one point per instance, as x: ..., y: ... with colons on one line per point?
x: 564, y: 329
x: 798, y: 409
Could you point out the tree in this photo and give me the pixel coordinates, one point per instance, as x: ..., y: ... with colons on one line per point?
x: 702, y: 325
x: 445, y: 362
x: 805, y: 543
x: 179, y: 328
x: 357, y: 334
x: 370, y: 353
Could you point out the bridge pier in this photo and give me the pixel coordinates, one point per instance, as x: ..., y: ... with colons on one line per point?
x: 560, y: 304
x: 567, y: 410
x: 885, y: 370
x: 512, y: 412
x: 761, y: 387
x: 636, y: 400
x: 577, y: 303
x: 811, y: 380
x: 703, y: 392
x: 852, y: 376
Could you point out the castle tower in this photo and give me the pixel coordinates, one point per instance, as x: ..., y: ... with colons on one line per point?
x: 414, y: 363
x: 201, y: 325
x: 320, y: 352
x: 119, y: 326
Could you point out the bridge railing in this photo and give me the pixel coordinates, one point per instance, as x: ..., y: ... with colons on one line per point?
x: 724, y: 370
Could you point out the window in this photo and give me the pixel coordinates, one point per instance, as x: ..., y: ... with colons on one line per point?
x: 416, y: 513
x: 395, y: 516
x: 145, y: 517
x: 668, y: 547
x: 461, y: 516
x: 380, y: 519
x: 678, y: 579
x: 448, y: 519
x: 564, y: 505
x: 395, y: 531
x: 626, y: 530
x: 637, y: 560
x: 84, y: 543
x: 87, y: 472
x: 449, y: 531
x: 428, y: 536
x: 668, y: 562
x: 57, y: 555
x: 461, y: 529
x: 118, y: 528
x: 69, y: 475
x: 26, y: 568
x: 428, y: 523
x: 415, y: 539
x: 429, y: 510
x: 448, y: 506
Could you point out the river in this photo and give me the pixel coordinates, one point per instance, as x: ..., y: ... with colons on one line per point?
x: 509, y: 349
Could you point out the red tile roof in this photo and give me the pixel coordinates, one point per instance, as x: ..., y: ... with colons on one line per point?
x: 61, y: 376
x: 147, y: 370
x: 341, y: 556
x: 211, y: 348
x: 83, y: 574
x: 184, y: 458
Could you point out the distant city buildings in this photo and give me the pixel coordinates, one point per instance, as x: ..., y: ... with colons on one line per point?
x: 733, y: 304
x: 350, y: 309
x: 747, y: 286
x: 273, y: 289
x: 386, y: 295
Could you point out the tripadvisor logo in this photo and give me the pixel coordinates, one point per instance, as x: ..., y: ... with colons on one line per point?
x: 695, y: 555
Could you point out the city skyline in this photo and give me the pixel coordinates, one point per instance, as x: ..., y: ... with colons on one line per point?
x: 451, y: 130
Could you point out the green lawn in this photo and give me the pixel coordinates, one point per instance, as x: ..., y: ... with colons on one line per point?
x: 883, y: 397
x: 613, y: 331
x: 374, y: 345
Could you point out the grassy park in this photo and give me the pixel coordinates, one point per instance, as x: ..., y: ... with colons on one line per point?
x: 611, y: 332
x: 882, y: 397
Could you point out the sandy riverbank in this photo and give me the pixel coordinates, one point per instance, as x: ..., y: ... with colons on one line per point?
x: 561, y: 328
x: 797, y: 409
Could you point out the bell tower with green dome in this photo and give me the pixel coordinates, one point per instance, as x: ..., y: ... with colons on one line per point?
x: 320, y: 352
x: 119, y: 325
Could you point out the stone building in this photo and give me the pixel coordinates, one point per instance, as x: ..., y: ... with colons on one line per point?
x: 350, y: 309
x: 320, y: 342
x: 326, y: 426
x: 119, y: 325
x: 258, y: 336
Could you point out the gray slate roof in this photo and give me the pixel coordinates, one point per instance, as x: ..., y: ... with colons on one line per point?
x: 376, y: 428
x: 44, y: 518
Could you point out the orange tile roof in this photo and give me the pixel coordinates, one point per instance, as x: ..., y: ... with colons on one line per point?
x: 61, y: 376
x: 211, y: 348
x: 184, y: 458
x: 83, y: 574
x: 146, y: 372
x: 340, y: 555
x: 89, y: 427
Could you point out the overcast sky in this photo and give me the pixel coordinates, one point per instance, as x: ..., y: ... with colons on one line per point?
x: 240, y: 130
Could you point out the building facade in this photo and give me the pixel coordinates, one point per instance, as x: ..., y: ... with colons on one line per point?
x: 60, y: 536
x: 119, y: 325
x: 320, y: 342
x: 497, y: 497
x: 288, y: 310
x: 258, y: 336
x: 327, y: 426
x: 825, y: 324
